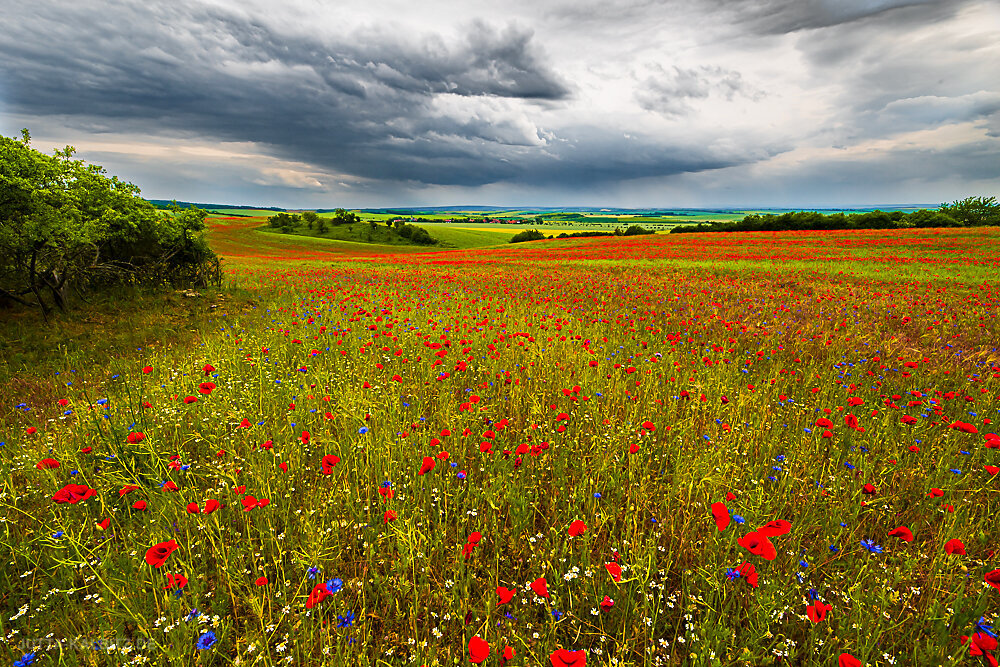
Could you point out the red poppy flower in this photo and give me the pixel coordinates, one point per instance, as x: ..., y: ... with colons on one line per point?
x: 261, y: 581
x: 848, y: 660
x: 47, y: 464
x: 577, y: 528
x: 817, y: 611
x: 993, y: 578
x: 190, y: 399
x: 982, y: 644
x: 206, y: 388
x: 954, y: 546
x: 135, y: 438
x: 505, y: 594
x: 249, y: 503
x: 139, y: 505
x: 86, y: 450
x: 267, y: 445
x: 508, y: 654
x: 175, y: 581
x: 147, y: 370
x: 328, y: 463
x: 721, y: 515
x: 749, y: 572
x: 283, y: 466
x: 427, y: 465
x: 633, y: 448
x: 540, y: 587
x: 245, y: 423
x: 103, y: 525
x: 823, y: 422
x: 615, y: 570
x: 73, y: 493
x: 192, y: 508
x: 758, y: 545
x: 903, y: 533
x: 31, y: 430
x: 170, y: 486
x: 157, y: 554
x: 935, y: 493
x: 389, y: 516
x: 965, y: 428
x: 868, y: 489
x: 565, y: 658
x: 775, y: 528
x: 319, y: 593
x: 993, y: 470
x: 607, y: 603
x: 479, y: 650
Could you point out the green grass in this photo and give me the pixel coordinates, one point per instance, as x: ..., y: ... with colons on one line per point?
x: 586, y: 380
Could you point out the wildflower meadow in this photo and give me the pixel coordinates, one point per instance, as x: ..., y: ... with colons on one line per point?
x: 718, y: 449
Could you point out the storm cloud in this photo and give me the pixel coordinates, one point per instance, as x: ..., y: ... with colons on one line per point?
x: 392, y: 103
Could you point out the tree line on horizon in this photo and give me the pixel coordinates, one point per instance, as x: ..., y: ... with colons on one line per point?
x: 968, y: 212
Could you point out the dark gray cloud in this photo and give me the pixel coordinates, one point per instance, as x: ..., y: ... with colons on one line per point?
x: 581, y: 97
x: 761, y: 17
x: 361, y: 105
x: 785, y: 16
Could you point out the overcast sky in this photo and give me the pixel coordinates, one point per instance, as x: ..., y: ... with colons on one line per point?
x: 635, y: 103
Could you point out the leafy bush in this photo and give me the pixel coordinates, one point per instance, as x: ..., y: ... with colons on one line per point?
x: 66, y: 227
x: 527, y: 235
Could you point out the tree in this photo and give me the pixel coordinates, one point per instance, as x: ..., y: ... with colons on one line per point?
x: 66, y: 226
x: 342, y: 217
x: 310, y: 218
x: 527, y: 235
x: 974, y: 211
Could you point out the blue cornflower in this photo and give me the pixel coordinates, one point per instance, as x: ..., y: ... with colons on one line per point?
x: 732, y: 574
x: 461, y: 475
x: 193, y: 614
x: 834, y: 548
x: 871, y: 546
x: 56, y: 535
x: 386, y: 484
x: 363, y: 430
x: 985, y: 627
x: 26, y: 659
x: 738, y: 519
x: 345, y: 621
x: 334, y: 585
x: 847, y: 464
x: 207, y: 640
x: 597, y: 495
x: 313, y: 571
x: 803, y: 564
x: 556, y: 614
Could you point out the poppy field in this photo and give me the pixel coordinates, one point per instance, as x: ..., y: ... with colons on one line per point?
x: 743, y: 449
